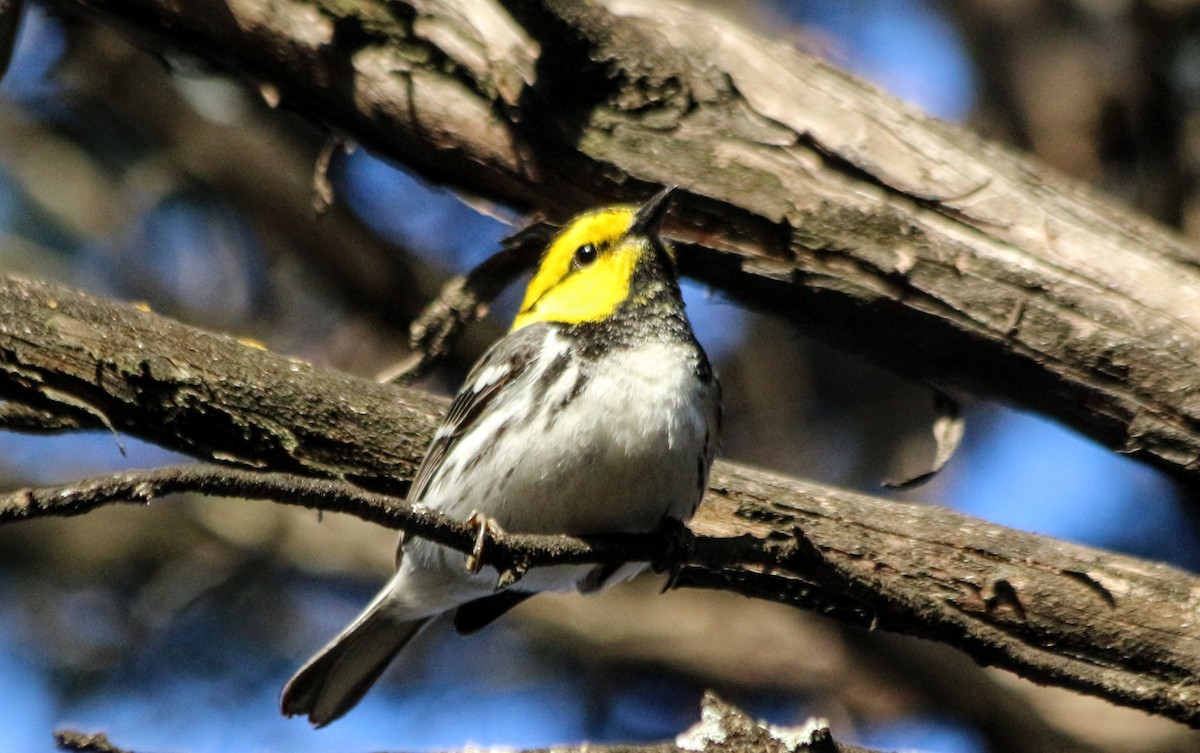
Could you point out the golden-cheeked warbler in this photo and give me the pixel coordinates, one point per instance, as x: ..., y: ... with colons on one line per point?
x: 597, y: 413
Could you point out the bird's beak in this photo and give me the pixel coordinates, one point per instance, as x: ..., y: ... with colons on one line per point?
x: 648, y: 218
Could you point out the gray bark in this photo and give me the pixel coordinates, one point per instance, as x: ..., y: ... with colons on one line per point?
x: 807, y: 192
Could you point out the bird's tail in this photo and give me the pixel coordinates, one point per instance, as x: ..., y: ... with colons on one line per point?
x: 333, y: 681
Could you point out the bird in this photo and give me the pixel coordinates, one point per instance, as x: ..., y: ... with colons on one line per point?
x: 597, y: 413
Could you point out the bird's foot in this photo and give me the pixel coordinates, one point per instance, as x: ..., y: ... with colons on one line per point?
x: 485, y: 527
x: 679, y: 544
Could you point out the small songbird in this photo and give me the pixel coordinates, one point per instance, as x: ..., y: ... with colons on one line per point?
x: 597, y: 413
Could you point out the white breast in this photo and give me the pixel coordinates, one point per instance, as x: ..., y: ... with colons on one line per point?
x: 616, y: 451
x: 616, y: 446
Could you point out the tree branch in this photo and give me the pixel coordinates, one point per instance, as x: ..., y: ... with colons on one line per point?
x: 509, y: 553
x: 207, y: 395
x: 30, y: 419
x: 1059, y: 614
x: 722, y: 729
x: 807, y: 192
x: 465, y: 298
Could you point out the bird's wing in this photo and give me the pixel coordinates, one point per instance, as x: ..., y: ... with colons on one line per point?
x: 503, y: 364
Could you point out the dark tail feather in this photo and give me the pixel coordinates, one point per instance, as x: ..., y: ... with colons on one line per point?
x: 333, y: 681
x: 478, y: 614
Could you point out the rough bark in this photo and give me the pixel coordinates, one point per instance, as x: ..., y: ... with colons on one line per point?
x: 211, y: 396
x: 1097, y: 622
x: 806, y: 192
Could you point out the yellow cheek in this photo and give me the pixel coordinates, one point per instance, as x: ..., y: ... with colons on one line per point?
x: 604, y: 225
x: 587, y: 295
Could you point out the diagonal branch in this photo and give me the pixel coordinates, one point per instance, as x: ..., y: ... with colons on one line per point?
x: 211, y: 396
x: 806, y: 192
x: 1102, y: 623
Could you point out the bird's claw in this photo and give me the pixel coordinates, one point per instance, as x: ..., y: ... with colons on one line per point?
x: 485, y: 527
x: 679, y: 546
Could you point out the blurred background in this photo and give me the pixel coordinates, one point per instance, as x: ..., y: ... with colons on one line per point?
x: 172, y: 628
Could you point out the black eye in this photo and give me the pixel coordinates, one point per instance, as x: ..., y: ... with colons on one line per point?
x: 585, y: 255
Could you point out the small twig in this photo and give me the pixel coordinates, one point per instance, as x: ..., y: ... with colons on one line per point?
x: 511, y: 554
x: 504, y: 551
x: 465, y: 299
x: 33, y: 419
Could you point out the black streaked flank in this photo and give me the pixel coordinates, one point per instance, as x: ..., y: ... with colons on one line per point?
x: 516, y: 353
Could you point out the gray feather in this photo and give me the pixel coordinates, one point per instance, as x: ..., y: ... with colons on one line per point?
x: 333, y: 681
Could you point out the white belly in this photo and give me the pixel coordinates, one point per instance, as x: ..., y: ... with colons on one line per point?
x: 639, y: 459
x: 632, y: 463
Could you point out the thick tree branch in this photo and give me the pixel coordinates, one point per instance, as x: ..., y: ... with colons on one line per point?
x: 1102, y: 623
x: 807, y: 192
x: 211, y: 396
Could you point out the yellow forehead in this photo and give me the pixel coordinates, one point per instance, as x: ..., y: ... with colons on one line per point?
x: 560, y: 292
